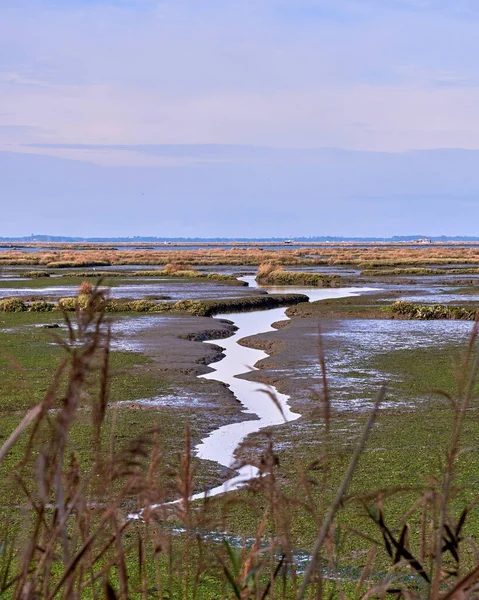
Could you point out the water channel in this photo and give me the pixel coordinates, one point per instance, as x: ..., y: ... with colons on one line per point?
x: 221, y: 444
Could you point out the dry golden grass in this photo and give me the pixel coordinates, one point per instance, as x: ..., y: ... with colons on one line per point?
x: 364, y: 257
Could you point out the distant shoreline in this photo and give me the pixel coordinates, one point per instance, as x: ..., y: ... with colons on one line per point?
x: 112, y: 245
x: 52, y: 241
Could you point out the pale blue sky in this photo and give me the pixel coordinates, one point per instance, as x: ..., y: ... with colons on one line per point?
x: 175, y: 117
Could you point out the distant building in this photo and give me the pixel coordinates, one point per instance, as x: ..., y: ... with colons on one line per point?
x: 423, y: 241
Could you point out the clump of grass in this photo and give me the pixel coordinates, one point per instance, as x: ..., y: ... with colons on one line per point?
x: 85, y: 289
x: 229, y: 279
x: 174, y: 267
x: 95, y: 274
x: 268, y: 274
x: 142, y: 305
x: 403, y: 271
x: 265, y: 270
x: 35, y: 274
x: 78, y: 263
x: 40, y: 306
x: 12, y: 305
x: 418, y: 271
x: 409, y: 310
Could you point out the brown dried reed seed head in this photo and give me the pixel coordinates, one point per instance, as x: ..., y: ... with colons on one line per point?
x: 85, y: 289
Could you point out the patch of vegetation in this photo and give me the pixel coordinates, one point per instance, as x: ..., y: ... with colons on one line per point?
x: 409, y: 310
x: 39, y: 279
x: 34, y: 274
x: 65, y: 264
x: 419, y: 271
x: 12, y: 305
x: 207, y: 308
x: 405, y: 450
x: 269, y: 274
x: 30, y: 353
x: 363, y: 256
x: 203, y: 308
x: 163, y: 273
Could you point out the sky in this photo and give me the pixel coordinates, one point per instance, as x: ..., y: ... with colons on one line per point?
x: 239, y: 118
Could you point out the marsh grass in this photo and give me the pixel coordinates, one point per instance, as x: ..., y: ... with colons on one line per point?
x: 426, y: 312
x: 180, y: 273
x: 269, y: 274
x: 194, y: 307
x: 35, y: 274
x: 364, y: 257
x: 419, y: 271
x: 102, y: 527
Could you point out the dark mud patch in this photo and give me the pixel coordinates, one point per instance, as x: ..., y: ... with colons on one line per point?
x: 280, y: 324
x: 174, y: 343
x: 178, y: 355
x: 212, y: 334
x: 263, y: 342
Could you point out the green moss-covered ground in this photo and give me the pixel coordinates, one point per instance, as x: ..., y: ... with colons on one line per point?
x: 29, y: 357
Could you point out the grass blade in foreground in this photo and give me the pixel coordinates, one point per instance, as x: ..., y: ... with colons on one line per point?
x: 340, y: 494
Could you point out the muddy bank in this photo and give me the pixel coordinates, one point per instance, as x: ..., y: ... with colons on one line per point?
x: 353, y: 348
x: 174, y: 343
x: 177, y: 356
x: 411, y: 358
x: 292, y: 365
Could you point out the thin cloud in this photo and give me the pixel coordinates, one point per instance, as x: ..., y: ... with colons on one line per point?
x: 91, y: 72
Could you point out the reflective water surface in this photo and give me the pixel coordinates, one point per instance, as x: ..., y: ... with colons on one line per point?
x: 172, y: 288
x: 221, y: 444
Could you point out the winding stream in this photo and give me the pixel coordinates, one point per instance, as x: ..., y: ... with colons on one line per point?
x: 220, y: 445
